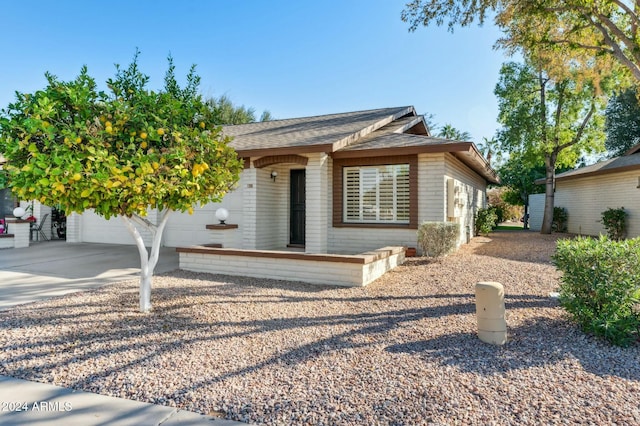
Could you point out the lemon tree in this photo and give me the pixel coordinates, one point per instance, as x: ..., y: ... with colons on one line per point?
x: 122, y: 152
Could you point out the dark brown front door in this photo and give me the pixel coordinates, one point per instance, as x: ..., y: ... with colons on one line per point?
x: 298, y: 196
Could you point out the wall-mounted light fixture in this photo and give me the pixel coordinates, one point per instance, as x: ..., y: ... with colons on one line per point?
x: 222, y: 214
x: 274, y: 175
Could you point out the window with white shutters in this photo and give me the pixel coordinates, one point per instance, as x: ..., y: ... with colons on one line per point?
x: 376, y: 194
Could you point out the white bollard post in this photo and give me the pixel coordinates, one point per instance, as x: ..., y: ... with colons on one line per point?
x: 492, y: 326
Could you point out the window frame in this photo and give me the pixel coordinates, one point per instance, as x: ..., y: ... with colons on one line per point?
x: 383, y: 183
x: 338, y: 190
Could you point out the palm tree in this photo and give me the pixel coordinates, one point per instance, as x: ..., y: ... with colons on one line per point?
x: 490, y: 148
x: 449, y: 132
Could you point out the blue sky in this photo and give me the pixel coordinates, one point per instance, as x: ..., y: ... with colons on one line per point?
x: 294, y: 58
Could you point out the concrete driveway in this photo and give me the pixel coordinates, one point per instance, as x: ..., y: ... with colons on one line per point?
x: 54, y: 268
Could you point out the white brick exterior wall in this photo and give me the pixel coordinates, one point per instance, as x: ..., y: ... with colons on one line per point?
x: 260, y: 207
x: 470, y: 195
x: 21, y: 232
x: 308, y: 270
x: 432, y: 187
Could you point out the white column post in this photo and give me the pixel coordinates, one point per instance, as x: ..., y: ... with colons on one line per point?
x: 317, y: 197
x: 249, y: 183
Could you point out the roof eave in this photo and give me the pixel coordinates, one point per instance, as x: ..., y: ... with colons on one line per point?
x: 591, y: 174
x: 467, y: 151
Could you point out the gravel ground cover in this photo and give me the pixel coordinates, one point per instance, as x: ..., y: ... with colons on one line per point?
x: 401, y: 351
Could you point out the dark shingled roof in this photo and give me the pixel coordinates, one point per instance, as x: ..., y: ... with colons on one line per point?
x: 378, y: 132
x: 320, y: 131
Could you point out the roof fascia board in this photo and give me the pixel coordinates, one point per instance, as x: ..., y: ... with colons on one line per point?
x: 261, y: 152
x: 420, y: 149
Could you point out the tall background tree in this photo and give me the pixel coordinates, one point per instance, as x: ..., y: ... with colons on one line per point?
x: 548, y: 121
x: 572, y: 31
x: 129, y: 152
x: 622, y: 124
x: 225, y: 112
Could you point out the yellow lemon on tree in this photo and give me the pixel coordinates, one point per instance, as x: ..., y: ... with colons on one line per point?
x: 143, y: 145
x: 143, y: 135
x: 161, y: 131
x: 78, y: 140
x: 202, y: 124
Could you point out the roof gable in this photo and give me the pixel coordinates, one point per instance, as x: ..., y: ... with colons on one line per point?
x: 325, y: 133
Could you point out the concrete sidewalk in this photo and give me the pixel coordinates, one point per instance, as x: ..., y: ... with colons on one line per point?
x: 55, y: 268
x: 34, y: 404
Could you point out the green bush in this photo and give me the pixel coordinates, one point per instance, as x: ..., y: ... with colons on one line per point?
x: 560, y: 218
x: 601, y: 286
x: 485, y: 221
x: 614, y: 221
x: 499, y: 211
x: 436, y: 239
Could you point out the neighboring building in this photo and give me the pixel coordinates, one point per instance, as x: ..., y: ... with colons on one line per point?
x: 589, y: 191
x: 339, y: 183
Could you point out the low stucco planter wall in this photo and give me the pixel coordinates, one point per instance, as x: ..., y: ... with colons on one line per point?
x: 333, y: 269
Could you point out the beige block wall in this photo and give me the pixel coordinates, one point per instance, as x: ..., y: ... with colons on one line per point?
x: 586, y: 198
x: 470, y: 195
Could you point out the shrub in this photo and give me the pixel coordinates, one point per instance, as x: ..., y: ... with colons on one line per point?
x: 499, y: 211
x: 614, y: 221
x: 560, y: 218
x: 601, y: 286
x: 485, y: 221
x: 436, y: 239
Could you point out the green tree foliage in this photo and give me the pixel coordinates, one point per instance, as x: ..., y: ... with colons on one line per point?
x: 548, y: 121
x: 622, y: 124
x: 225, y: 112
x: 567, y: 31
x: 518, y: 176
x: 449, y: 132
x: 127, y: 152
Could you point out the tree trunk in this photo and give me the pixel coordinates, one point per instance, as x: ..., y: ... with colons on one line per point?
x: 147, y: 262
x: 550, y: 172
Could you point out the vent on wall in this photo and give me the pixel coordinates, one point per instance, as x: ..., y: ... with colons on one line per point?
x: 454, y: 203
